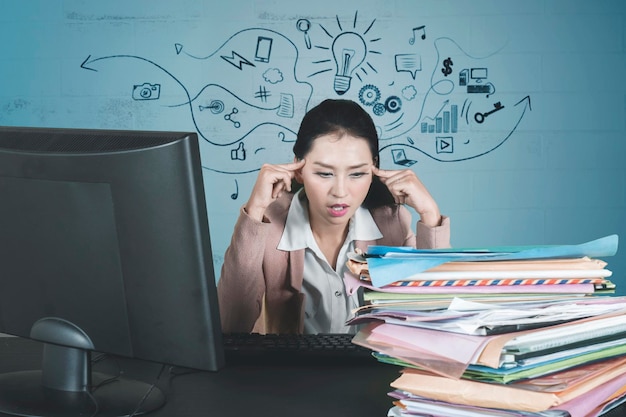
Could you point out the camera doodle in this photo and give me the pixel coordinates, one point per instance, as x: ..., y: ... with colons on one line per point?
x: 146, y: 91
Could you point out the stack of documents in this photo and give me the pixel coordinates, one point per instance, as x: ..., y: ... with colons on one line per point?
x: 542, y: 351
x: 400, y: 275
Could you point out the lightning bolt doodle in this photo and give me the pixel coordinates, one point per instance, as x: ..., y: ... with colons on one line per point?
x: 234, y: 56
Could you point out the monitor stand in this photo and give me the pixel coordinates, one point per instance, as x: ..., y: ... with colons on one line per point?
x: 66, y: 387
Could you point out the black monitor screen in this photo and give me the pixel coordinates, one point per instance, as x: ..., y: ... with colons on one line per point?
x: 104, y: 245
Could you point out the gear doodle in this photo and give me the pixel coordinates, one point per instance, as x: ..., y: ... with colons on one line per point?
x: 369, y: 94
x: 379, y: 109
x: 393, y: 104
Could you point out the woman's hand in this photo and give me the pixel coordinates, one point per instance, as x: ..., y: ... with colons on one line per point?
x: 270, y: 184
x: 407, y: 188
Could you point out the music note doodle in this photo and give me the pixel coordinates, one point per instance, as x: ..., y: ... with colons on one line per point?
x: 423, y: 29
x: 236, y: 193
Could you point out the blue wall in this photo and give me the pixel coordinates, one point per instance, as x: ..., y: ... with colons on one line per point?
x: 547, y: 166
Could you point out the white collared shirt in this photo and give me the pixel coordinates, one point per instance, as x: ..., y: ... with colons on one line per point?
x: 327, y: 304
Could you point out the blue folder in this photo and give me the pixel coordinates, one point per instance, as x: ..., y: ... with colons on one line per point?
x: 387, y: 264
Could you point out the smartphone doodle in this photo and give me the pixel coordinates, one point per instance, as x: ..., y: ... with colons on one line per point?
x: 263, y: 49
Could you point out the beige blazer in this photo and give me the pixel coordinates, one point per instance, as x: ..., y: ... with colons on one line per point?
x: 259, y: 286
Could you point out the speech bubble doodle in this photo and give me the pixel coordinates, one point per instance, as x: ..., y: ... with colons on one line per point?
x: 410, y: 63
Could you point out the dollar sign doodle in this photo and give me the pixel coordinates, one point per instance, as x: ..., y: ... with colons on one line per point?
x: 447, y: 63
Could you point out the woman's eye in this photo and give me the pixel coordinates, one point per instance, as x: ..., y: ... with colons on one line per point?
x: 358, y: 174
x: 325, y: 174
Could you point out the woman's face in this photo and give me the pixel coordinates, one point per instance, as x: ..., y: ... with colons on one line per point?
x: 336, y: 177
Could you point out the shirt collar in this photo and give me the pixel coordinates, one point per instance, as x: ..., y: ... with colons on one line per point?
x: 297, y: 234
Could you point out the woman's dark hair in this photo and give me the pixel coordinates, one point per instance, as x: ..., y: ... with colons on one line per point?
x: 342, y: 117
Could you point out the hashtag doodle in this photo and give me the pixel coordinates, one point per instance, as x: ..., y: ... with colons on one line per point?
x: 447, y: 63
x: 262, y: 94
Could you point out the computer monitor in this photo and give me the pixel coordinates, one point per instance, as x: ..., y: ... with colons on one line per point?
x: 105, y: 247
x: 478, y: 74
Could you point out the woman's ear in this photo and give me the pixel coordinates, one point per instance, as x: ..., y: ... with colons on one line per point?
x: 297, y: 175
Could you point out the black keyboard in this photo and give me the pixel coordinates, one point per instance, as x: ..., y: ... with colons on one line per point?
x: 254, y: 348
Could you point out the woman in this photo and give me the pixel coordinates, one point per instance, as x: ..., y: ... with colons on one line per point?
x: 283, y: 271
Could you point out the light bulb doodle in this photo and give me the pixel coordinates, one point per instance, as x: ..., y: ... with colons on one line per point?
x: 349, y: 51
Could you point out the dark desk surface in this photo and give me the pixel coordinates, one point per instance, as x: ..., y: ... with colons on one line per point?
x: 355, y: 390
x: 342, y: 391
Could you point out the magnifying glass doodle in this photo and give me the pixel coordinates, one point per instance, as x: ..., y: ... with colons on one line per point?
x: 303, y: 25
